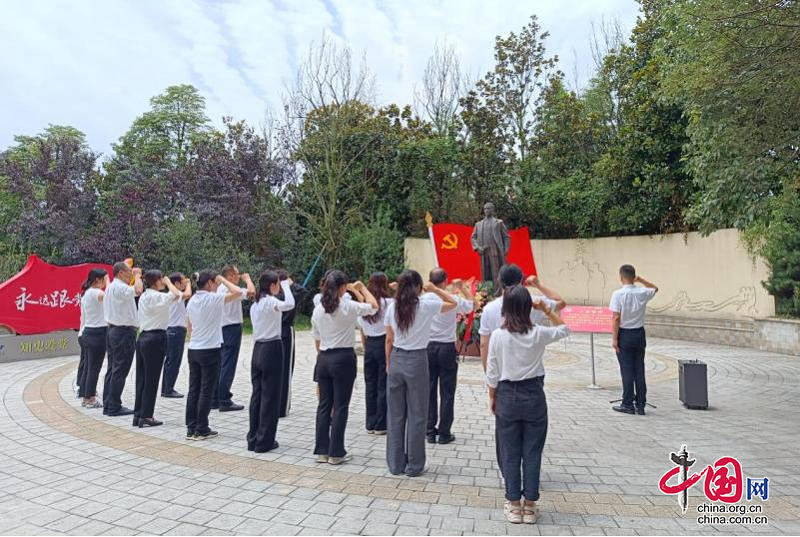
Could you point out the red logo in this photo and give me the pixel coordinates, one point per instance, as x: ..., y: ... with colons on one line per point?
x: 723, y: 480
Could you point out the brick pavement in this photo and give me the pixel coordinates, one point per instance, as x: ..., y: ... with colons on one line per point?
x: 69, y: 470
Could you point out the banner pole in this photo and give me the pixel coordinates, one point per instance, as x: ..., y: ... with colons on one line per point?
x: 593, y: 385
x: 429, y: 222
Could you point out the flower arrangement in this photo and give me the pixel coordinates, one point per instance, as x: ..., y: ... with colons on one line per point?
x: 484, y: 293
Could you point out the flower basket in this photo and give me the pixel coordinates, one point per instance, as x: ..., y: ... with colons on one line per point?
x: 469, y: 324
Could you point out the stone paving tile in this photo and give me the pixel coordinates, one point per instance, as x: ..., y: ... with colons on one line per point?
x: 71, y: 470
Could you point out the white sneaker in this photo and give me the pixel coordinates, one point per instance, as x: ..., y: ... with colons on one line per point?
x: 379, y: 433
x: 529, y: 512
x: 322, y: 458
x: 340, y: 460
x: 513, y: 513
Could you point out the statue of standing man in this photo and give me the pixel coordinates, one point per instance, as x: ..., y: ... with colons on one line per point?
x: 491, y: 240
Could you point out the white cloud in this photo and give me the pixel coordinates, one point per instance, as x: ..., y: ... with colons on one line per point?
x: 95, y: 65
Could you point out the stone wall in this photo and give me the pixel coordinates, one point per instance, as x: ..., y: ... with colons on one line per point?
x: 709, y: 287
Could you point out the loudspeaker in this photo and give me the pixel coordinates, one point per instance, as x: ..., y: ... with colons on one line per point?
x: 693, y: 384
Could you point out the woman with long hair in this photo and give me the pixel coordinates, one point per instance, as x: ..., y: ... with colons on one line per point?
x: 266, y: 369
x: 92, y: 336
x: 408, y: 331
x: 151, y: 347
x: 373, y: 337
x: 515, y: 376
x: 333, y: 326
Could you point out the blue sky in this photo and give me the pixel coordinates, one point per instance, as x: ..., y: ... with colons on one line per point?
x: 95, y: 64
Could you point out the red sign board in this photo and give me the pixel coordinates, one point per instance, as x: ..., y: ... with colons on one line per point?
x: 595, y: 319
x: 454, y: 251
x: 44, y: 298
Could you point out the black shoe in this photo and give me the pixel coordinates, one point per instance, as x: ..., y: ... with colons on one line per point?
x: 189, y: 435
x: 230, y: 408
x: 446, y: 438
x: 275, y: 445
x: 135, y: 421
x: 173, y: 394
x: 123, y: 411
x: 640, y: 411
x: 431, y: 438
x: 149, y: 422
x: 624, y: 409
x: 205, y: 436
x: 214, y: 407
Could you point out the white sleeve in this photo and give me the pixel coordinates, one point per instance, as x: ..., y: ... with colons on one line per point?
x: 388, y: 316
x: 648, y: 294
x: 360, y: 309
x: 464, y: 305
x: 492, y: 365
x: 315, y: 319
x: 550, y: 334
x: 487, y: 324
x: 614, y: 305
x: 288, y: 303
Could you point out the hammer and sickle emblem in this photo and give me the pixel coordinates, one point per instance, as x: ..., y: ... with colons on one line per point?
x: 450, y: 242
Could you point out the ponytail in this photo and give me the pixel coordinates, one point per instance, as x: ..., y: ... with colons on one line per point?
x: 330, y: 290
x: 94, y: 275
x: 409, y: 287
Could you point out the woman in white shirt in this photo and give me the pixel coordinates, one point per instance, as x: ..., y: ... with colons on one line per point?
x: 204, y: 320
x: 373, y: 338
x: 408, y: 332
x: 333, y: 326
x: 92, y: 336
x: 151, y: 347
x: 515, y: 376
x: 266, y: 369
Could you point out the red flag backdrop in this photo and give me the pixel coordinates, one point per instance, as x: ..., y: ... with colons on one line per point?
x: 43, y: 297
x: 455, y: 254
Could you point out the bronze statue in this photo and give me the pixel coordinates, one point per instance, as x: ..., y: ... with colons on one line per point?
x: 491, y: 240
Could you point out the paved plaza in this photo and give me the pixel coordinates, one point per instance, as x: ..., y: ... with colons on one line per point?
x: 65, y: 469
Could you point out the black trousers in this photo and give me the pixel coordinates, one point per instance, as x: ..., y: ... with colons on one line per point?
x: 521, y: 427
x: 81, y: 364
x: 231, y: 343
x: 443, y: 367
x: 336, y: 374
x: 632, y: 343
x: 266, y: 374
x: 151, y: 348
x: 375, y: 381
x: 176, y: 339
x: 203, y: 382
x: 288, y: 373
x: 93, y: 346
x: 121, y: 346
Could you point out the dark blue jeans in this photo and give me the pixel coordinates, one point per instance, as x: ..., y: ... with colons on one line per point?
x: 521, y: 423
x: 632, y: 343
x: 231, y: 343
x: 176, y: 339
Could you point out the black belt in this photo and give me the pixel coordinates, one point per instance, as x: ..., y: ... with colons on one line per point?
x: 154, y: 331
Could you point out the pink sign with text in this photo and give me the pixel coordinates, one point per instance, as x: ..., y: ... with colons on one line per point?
x: 595, y: 319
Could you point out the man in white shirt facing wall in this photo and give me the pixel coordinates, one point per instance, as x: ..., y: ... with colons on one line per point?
x: 443, y: 360
x: 628, y: 305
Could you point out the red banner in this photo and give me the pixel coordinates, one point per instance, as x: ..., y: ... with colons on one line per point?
x: 455, y: 254
x: 43, y: 297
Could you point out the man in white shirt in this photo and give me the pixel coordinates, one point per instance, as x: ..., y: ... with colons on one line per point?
x: 628, y: 305
x: 491, y: 316
x: 119, y: 306
x: 232, y: 319
x: 443, y: 360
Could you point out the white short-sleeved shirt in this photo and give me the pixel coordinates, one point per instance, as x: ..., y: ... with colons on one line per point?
x: 205, y: 313
x: 267, y: 314
x: 492, y: 318
x: 419, y: 333
x: 154, y: 309
x: 443, y: 326
x: 631, y: 303
x: 177, y: 314
x: 516, y: 357
x: 92, y: 314
x: 376, y: 329
x: 337, y: 330
x: 119, y: 304
x: 232, y: 314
